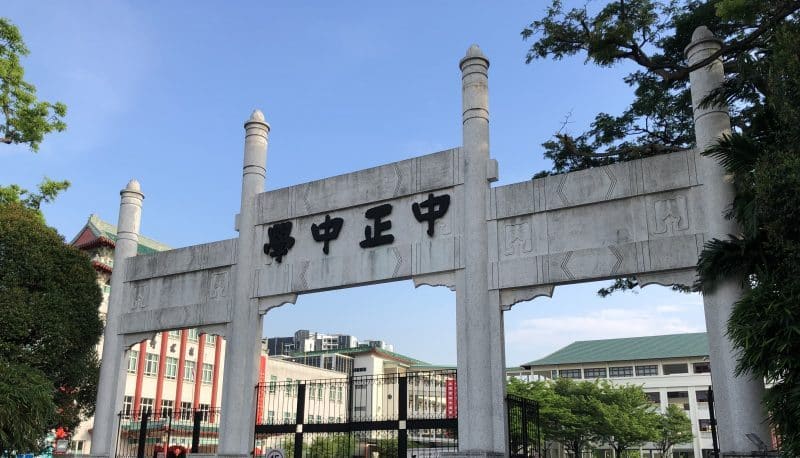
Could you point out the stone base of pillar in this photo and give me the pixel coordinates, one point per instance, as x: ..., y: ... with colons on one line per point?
x: 473, y: 454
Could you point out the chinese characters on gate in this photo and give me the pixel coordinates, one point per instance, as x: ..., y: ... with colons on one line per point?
x: 375, y: 234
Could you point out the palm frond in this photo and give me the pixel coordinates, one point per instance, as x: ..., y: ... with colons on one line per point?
x: 736, y: 153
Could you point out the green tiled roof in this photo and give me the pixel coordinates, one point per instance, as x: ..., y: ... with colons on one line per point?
x: 358, y: 350
x: 101, y: 228
x: 628, y: 349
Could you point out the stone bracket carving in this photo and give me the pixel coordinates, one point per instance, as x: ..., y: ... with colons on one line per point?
x: 685, y: 277
x: 265, y: 304
x: 512, y: 296
x: 447, y: 279
x: 214, y: 329
x: 129, y: 340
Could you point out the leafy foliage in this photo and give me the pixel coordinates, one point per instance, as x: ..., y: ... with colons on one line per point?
x: 333, y: 446
x: 580, y: 414
x: 26, y: 407
x: 674, y: 427
x: 23, y: 118
x: 49, y: 301
x: 48, y: 190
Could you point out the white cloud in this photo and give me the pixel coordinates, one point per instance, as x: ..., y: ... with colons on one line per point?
x: 541, y: 336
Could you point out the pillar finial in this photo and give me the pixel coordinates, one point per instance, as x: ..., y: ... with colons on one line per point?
x: 257, y: 118
x: 474, y: 53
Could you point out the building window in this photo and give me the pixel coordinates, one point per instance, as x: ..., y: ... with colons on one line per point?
x: 320, y: 389
x: 359, y: 369
x: 701, y: 368
x: 289, y: 387
x: 654, y: 397
x: 204, y: 408
x: 146, y: 405
x: 273, y: 380
x: 705, y: 425
x: 208, y: 373
x: 312, y: 393
x: 76, y: 447
x: 679, y: 398
x: 166, y: 407
x: 133, y: 361
x: 339, y: 391
x: 569, y: 373
x: 194, y: 335
x: 151, y: 364
x: 595, y: 372
x: 127, y: 406
x: 650, y: 369
x: 287, y: 417
x: 621, y: 371
x: 670, y: 369
x: 176, y: 334
x: 332, y: 393
x: 171, y: 368
x: 702, y: 395
x: 211, y: 339
x: 186, y: 410
x: 271, y: 417
x: 189, y: 368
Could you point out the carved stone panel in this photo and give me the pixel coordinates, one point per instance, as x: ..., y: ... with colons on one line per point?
x: 424, y: 173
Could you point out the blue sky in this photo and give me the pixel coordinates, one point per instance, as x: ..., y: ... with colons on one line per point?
x: 159, y: 91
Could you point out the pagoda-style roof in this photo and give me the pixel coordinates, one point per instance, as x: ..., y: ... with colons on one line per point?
x: 97, y: 232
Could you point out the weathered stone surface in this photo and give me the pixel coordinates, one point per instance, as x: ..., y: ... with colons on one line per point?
x: 411, y: 176
x: 642, y: 216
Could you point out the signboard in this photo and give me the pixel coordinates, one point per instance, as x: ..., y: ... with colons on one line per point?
x: 451, y: 396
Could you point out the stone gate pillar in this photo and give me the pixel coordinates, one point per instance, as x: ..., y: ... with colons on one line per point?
x: 737, y: 399
x: 111, y: 385
x: 479, y: 321
x: 243, y: 334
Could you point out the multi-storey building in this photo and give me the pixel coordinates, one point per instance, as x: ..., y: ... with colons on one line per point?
x: 672, y: 369
x: 305, y: 341
x: 177, y: 371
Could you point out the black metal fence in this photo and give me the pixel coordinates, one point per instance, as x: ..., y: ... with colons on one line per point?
x: 167, y: 434
x: 524, y: 435
x: 396, y: 415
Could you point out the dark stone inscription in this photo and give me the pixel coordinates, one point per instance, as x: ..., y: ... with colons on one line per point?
x: 435, y: 208
x: 280, y: 240
x: 373, y: 238
x: 326, y: 231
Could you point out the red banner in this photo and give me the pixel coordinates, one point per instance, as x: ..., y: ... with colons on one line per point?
x: 262, y: 394
x: 451, y: 394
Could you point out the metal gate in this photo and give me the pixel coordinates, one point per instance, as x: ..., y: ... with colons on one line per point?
x: 395, y: 415
x: 524, y: 435
x: 167, y: 433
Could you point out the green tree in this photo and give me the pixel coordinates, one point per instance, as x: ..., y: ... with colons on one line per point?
x: 386, y: 448
x: 674, y: 428
x: 627, y: 417
x: 333, y: 446
x: 49, y: 301
x: 48, y: 190
x: 26, y: 407
x: 763, y: 88
x: 24, y: 118
x: 552, y: 408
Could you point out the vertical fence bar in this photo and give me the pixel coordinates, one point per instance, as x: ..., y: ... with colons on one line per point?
x: 116, y: 445
x: 402, y: 416
x: 143, y: 434
x: 713, y: 421
x: 301, y: 410
x: 198, y: 419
